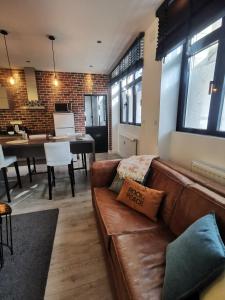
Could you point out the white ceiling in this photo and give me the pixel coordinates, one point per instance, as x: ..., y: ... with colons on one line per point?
x: 77, y: 25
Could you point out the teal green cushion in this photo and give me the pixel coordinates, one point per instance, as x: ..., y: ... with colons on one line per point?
x: 117, y: 183
x: 194, y: 259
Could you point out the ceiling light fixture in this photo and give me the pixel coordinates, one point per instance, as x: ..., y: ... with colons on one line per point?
x: 99, y: 42
x: 12, y: 80
x: 55, y: 79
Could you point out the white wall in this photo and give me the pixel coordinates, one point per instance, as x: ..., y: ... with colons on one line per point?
x: 147, y: 133
x: 185, y: 147
x: 169, y: 100
x: 115, y: 123
x: 150, y: 94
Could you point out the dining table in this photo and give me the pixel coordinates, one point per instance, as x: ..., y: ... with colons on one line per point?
x: 34, y: 148
x: 21, y: 148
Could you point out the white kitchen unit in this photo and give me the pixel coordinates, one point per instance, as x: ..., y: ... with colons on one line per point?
x: 64, y: 124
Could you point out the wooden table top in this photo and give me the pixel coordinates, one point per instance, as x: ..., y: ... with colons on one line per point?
x: 17, y: 141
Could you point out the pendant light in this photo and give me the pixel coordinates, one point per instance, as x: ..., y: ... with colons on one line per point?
x: 55, y: 79
x: 12, y: 80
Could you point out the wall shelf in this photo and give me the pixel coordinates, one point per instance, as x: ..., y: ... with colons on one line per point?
x: 33, y: 107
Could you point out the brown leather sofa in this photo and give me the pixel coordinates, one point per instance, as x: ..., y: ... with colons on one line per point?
x: 135, y: 246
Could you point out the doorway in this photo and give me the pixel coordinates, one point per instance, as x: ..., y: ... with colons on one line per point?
x: 96, y: 120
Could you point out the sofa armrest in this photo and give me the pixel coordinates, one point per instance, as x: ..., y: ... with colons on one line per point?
x: 103, y: 172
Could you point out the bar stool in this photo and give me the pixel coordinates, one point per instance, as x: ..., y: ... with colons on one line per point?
x: 5, y: 162
x: 58, y: 154
x: 5, y: 211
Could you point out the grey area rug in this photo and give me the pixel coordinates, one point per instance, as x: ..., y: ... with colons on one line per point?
x: 24, y: 274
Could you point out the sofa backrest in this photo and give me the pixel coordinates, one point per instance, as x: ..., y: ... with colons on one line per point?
x: 170, y: 181
x: 195, y: 202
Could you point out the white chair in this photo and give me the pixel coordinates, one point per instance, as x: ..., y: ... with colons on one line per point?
x: 5, y: 162
x: 58, y: 154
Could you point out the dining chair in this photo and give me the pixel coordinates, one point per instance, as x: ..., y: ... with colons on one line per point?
x: 5, y: 162
x: 58, y: 154
x: 76, y: 156
x: 34, y: 137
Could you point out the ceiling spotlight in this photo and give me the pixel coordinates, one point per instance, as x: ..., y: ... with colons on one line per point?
x: 99, y: 42
x: 12, y: 80
x: 55, y: 79
x: 28, y: 61
x: 91, y: 66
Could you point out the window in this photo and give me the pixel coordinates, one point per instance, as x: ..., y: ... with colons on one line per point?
x: 131, y: 98
x: 95, y: 110
x: 201, y: 71
x: 138, y: 95
x: 222, y: 121
x: 202, y: 90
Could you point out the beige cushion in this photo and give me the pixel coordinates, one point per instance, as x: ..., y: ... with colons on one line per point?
x: 216, y: 290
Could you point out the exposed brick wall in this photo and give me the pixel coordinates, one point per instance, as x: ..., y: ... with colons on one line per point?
x: 72, y: 88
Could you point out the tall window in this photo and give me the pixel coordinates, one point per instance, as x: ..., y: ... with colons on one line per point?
x: 131, y: 98
x: 127, y: 78
x: 202, y: 90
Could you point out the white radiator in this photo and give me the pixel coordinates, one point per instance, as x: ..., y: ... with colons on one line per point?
x: 127, y: 146
x: 215, y: 173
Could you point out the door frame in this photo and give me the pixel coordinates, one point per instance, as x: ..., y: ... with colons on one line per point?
x: 107, y: 117
x: 94, y: 95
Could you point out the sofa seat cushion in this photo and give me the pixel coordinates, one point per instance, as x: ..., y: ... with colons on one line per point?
x: 116, y: 218
x: 141, y: 259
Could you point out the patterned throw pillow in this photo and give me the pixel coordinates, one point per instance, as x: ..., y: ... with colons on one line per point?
x: 141, y: 198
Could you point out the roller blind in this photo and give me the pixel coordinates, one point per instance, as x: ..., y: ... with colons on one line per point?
x: 132, y: 59
x: 179, y: 19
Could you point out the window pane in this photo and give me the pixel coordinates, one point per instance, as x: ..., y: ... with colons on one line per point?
x: 206, y: 31
x: 124, y: 82
x: 138, y: 91
x: 130, y: 105
x: 222, y: 122
x: 95, y: 111
x: 102, y: 110
x: 115, y: 88
x: 138, y: 73
x: 88, y: 111
x: 201, y: 69
x: 130, y: 78
x: 124, y: 106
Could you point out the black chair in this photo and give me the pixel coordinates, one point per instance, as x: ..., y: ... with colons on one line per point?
x: 5, y: 162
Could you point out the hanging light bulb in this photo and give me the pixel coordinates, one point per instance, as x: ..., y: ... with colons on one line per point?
x: 12, y: 80
x: 55, y: 79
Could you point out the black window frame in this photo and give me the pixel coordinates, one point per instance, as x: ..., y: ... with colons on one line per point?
x: 127, y: 86
x: 106, y: 109
x: 217, y: 99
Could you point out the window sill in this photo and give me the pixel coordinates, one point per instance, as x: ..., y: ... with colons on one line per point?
x: 199, y: 135
x: 220, y: 134
x: 130, y: 124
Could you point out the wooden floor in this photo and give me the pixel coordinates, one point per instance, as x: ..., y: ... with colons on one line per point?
x: 77, y: 269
